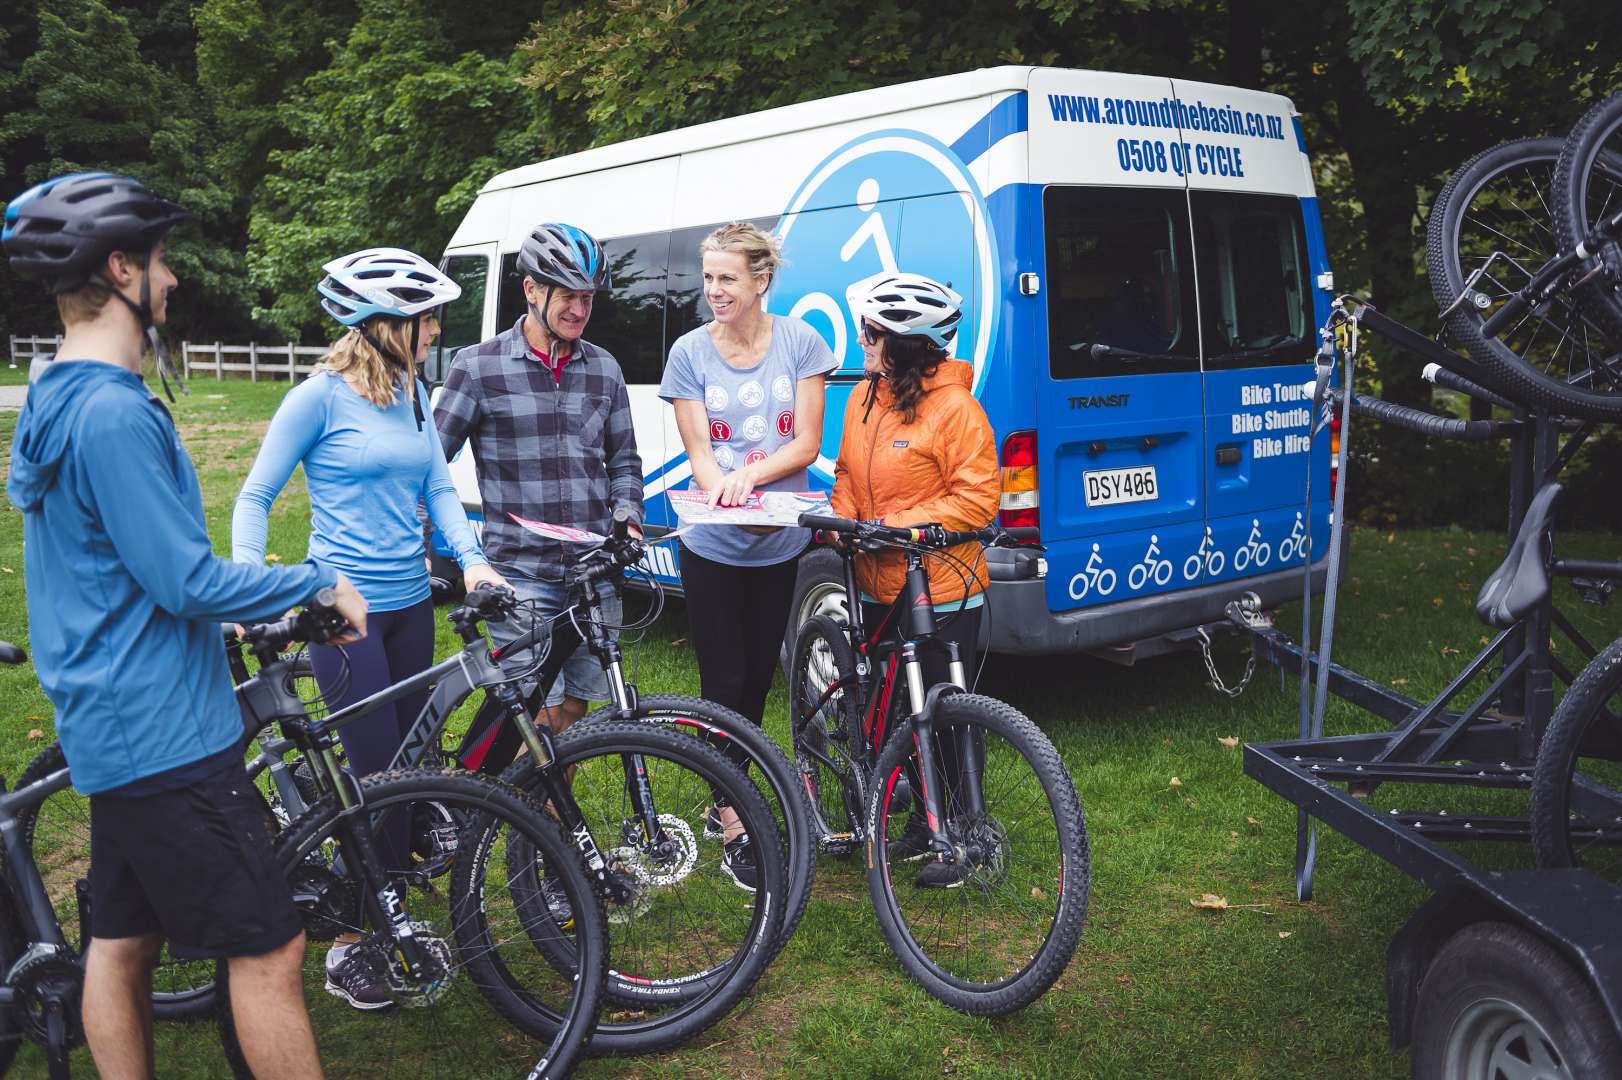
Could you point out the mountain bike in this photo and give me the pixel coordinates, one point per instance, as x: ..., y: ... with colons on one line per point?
x: 998, y: 816
x: 686, y: 951
x: 446, y: 952
x: 1517, y: 294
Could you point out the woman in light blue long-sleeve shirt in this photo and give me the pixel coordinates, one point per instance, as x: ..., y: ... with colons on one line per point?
x: 356, y: 425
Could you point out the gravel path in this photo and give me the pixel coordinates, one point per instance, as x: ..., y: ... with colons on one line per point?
x: 11, y: 397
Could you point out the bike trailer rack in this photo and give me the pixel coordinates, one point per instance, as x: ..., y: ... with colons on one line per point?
x: 1488, y: 739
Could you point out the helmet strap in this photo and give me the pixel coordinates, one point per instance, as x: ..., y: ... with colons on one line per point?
x: 538, y: 313
x: 143, y: 316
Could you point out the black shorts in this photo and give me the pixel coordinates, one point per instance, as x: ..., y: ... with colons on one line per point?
x: 193, y: 864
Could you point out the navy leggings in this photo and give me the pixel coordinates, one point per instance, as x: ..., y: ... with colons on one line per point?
x: 398, y: 644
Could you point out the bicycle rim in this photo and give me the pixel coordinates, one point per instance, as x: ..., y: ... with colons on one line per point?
x: 1587, y: 191
x: 996, y: 941
x: 686, y: 943
x: 476, y: 933
x: 1491, y: 228
x: 57, y: 833
x: 1577, y: 781
x: 774, y: 776
x: 825, y: 722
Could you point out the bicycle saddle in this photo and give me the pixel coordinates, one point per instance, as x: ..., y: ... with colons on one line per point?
x: 1521, y: 581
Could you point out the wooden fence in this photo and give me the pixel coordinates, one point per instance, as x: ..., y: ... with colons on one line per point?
x: 290, y: 361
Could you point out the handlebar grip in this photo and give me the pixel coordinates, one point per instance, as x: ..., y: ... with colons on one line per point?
x: 324, y: 600
x: 1516, y: 306
x: 826, y: 523
x: 1022, y: 532
x: 622, y: 525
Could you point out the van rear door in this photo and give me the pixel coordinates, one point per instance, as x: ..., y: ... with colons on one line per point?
x: 1258, y: 253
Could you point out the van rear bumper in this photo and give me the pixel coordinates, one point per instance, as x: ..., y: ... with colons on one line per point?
x: 1021, y: 622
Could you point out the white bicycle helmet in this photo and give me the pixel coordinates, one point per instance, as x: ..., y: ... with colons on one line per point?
x: 391, y: 282
x: 907, y: 304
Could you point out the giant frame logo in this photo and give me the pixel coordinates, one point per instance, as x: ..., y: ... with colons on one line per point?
x: 879, y: 194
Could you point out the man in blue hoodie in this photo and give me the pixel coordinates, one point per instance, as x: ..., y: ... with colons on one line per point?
x: 125, y: 601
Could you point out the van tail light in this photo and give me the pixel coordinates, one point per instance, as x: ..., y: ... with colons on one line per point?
x: 1020, y: 506
x: 1334, y: 453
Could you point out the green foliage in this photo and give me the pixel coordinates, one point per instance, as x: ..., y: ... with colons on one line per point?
x: 389, y: 144
x: 1430, y: 50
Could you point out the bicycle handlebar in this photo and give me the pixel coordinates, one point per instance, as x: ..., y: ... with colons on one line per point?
x: 318, y: 623
x: 1424, y: 423
x: 1548, y: 278
x: 927, y: 535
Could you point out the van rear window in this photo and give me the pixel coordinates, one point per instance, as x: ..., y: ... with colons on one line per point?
x: 1119, y: 285
x: 1121, y: 272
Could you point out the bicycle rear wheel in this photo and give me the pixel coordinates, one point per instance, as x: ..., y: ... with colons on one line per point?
x: 825, y: 722
x: 57, y: 834
x: 477, y: 935
x: 778, y: 782
x: 686, y: 942
x: 995, y: 941
x: 1491, y: 228
x: 1586, y: 191
x: 1577, y: 780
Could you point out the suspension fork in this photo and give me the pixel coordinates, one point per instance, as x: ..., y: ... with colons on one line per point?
x: 971, y: 745
x: 384, y: 904
x: 923, y: 744
x: 637, y: 787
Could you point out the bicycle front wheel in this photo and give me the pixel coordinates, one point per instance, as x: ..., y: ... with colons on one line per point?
x: 990, y: 930
x: 475, y: 939
x: 1587, y: 190
x: 1577, y: 780
x: 1491, y: 228
x: 825, y: 724
x: 778, y: 781
x: 687, y: 939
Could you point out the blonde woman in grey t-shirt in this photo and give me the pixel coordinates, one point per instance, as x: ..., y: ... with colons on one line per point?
x: 748, y: 393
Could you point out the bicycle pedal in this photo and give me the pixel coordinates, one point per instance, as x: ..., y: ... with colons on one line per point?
x: 838, y: 844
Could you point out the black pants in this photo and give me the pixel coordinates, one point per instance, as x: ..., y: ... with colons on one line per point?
x: 736, y: 618
x: 962, y: 627
x: 397, y: 645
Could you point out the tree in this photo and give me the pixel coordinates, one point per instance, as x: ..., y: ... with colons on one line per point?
x: 391, y: 141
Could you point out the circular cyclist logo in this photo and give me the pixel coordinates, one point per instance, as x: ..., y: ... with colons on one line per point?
x: 751, y: 394
x: 783, y: 388
x: 724, y: 458
x: 864, y: 214
x: 715, y: 398
x: 754, y: 428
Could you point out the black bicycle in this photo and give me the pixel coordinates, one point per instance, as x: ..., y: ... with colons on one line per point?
x: 435, y: 949
x: 685, y: 948
x: 994, y: 922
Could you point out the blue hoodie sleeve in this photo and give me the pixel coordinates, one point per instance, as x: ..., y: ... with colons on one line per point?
x: 444, y: 505
x: 295, y: 428
x: 128, y: 459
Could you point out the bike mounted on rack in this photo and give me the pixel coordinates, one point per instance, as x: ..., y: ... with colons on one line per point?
x: 1483, y: 730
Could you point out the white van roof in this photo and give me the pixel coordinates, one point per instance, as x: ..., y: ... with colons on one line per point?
x: 821, y: 112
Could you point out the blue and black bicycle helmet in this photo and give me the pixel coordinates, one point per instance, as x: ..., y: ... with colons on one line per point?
x: 61, y: 231
x: 565, y: 257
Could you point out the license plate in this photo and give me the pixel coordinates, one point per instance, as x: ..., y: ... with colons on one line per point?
x: 1110, y: 487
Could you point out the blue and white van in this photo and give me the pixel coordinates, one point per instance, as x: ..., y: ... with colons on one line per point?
x: 1143, y: 269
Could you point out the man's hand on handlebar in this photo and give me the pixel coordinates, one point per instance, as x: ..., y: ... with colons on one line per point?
x: 352, y: 606
x: 482, y: 574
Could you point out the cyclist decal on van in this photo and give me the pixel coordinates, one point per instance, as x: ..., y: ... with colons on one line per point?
x: 883, y: 199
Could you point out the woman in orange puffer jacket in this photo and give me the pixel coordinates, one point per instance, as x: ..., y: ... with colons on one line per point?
x: 917, y: 449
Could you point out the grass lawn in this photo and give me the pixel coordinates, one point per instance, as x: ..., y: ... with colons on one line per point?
x: 1268, y: 988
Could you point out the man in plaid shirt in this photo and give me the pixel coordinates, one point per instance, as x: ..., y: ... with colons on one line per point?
x: 550, y: 423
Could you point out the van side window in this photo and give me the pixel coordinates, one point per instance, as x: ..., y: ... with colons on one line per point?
x: 461, y: 322
x: 1120, y: 293
x: 510, y: 303
x: 629, y: 320
x: 1254, y: 294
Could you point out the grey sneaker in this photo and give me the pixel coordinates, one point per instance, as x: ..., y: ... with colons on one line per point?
x: 738, y: 860
x: 355, y: 973
x: 557, y: 902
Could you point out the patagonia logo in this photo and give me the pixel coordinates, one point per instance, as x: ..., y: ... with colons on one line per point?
x: 901, y: 444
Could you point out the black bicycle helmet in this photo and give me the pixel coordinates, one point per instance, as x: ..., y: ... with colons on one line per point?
x: 565, y: 257
x: 62, y: 230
